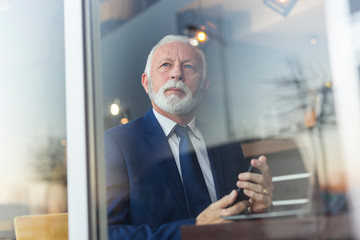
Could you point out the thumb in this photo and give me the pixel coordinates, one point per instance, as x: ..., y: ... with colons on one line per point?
x: 226, y: 200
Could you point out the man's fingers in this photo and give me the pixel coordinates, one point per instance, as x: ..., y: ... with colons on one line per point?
x: 263, y: 159
x: 235, y: 209
x: 226, y: 200
x: 264, y: 200
x: 250, y: 185
x: 216, y: 210
x: 260, y: 163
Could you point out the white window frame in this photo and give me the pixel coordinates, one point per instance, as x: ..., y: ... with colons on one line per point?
x: 86, y: 170
x: 346, y: 95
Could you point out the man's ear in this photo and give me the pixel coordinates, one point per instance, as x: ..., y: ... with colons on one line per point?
x: 145, y: 82
x: 206, y: 84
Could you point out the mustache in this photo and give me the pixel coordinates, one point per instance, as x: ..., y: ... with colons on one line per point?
x: 176, y: 84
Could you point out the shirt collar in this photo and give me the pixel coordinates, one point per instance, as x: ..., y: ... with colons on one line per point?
x: 169, y: 125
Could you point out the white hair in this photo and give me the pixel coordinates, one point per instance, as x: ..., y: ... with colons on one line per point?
x: 170, y: 39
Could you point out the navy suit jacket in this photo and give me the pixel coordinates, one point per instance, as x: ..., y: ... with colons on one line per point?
x: 144, y: 190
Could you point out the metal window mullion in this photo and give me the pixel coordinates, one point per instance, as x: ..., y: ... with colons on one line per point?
x: 76, y: 121
x: 95, y: 126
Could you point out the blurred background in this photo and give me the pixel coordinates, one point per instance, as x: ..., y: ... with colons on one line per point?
x: 271, y: 90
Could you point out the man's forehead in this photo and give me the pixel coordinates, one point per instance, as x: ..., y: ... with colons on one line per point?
x: 172, y: 50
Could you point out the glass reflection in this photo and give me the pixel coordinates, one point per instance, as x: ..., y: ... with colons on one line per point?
x: 32, y: 110
x: 270, y: 88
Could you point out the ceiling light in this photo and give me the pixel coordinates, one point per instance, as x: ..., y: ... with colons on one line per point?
x: 201, y: 36
x: 115, y: 109
x: 195, y: 34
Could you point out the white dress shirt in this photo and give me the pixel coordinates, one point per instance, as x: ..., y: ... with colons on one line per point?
x: 197, y: 141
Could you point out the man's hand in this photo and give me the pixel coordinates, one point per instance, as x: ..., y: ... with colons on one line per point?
x: 216, y: 210
x: 258, y: 187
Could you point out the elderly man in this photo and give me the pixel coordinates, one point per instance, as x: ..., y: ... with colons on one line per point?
x: 161, y: 171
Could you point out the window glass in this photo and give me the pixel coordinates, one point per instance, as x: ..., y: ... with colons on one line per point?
x: 32, y: 110
x: 270, y: 92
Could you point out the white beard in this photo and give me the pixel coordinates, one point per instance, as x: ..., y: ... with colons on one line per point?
x: 173, y: 104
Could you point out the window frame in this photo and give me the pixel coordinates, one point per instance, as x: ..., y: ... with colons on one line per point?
x: 86, y: 171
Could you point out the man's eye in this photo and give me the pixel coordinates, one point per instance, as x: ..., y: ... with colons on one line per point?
x: 189, y: 67
x: 165, y: 64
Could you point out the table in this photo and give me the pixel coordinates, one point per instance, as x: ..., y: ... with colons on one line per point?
x: 310, y: 227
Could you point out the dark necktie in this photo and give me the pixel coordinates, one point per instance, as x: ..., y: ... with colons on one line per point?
x: 196, y: 192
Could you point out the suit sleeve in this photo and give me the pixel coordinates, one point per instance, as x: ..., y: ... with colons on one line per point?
x: 141, y: 232
x: 118, y: 199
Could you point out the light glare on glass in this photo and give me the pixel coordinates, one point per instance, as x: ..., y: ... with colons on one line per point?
x: 115, y: 109
x: 201, y: 36
x: 194, y: 42
x: 313, y: 41
x: 63, y: 142
x: 124, y: 120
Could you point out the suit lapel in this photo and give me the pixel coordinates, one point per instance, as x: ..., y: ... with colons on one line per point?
x: 158, y: 142
x: 217, y: 170
x: 215, y: 161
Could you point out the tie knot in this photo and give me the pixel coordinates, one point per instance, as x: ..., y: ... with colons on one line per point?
x: 182, y: 131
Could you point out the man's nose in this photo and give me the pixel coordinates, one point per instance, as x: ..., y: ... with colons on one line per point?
x: 177, y: 73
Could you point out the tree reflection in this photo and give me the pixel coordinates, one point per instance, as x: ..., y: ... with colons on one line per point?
x: 49, y: 165
x: 305, y: 104
x: 305, y: 97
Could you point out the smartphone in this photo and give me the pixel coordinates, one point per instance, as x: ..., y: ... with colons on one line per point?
x: 241, y: 195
